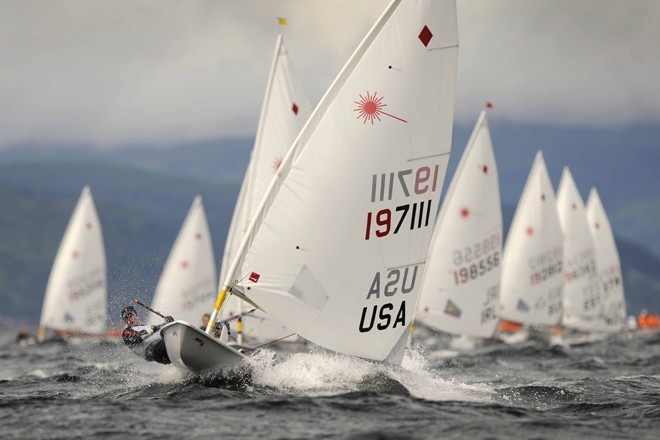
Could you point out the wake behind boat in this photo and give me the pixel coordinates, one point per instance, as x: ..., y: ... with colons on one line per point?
x: 336, y: 250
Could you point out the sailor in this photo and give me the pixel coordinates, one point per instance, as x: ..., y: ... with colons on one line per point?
x: 24, y: 337
x: 144, y: 340
x: 205, y: 321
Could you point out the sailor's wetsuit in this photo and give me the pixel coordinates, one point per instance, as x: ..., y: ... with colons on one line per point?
x: 147, y: 343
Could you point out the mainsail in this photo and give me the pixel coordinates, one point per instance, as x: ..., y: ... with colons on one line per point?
x: 284, y: 112
x: 608, y: 266
x: 460, y: 287
x: 337, y: 247
x: 187, y: 285
x: 532, y: 277
x: 582, y: 304
x: 76, y: 294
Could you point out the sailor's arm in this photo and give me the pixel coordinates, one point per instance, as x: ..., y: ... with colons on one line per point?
x: 132, y: 337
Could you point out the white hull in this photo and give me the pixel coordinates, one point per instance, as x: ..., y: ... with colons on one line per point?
x: 191, y: 349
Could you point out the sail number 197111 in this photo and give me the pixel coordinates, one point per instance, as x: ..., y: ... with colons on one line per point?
x: 409, y: 216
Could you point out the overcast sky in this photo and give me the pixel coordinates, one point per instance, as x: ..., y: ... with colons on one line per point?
x: 110, y: 72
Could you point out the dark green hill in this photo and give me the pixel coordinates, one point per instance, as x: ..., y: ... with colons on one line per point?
x: 140, y: 213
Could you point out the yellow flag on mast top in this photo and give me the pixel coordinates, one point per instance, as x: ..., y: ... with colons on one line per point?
x: 281, y: 21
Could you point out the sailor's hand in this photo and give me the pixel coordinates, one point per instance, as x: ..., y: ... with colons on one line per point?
x: 155, y: 328
x: 168, y: 319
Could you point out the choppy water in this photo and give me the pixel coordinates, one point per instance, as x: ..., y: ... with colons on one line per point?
x: 607, y: 390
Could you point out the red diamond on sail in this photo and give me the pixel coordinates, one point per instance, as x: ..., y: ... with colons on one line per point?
x: 89, y: 226
x: 597, y: 225
x: 198, y: 236
x: 295, y: 108
x: 254, y: 277
x: 573, y: 206
x: 425, y: 36
x: 530, y: 231
x: 74, y: 254
x: 543, y: 197
x: 184, y: 264
x: 465, y: 213
x: 485, y: 169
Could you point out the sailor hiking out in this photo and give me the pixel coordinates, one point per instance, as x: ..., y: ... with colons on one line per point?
x: 144, y: 340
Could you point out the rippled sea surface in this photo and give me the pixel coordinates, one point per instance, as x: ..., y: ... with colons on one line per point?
x: 607, y: 389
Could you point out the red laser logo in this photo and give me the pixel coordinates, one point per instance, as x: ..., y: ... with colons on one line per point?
x: 370, y: 108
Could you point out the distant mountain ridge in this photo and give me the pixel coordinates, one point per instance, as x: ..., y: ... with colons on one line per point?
x: 619, y: 161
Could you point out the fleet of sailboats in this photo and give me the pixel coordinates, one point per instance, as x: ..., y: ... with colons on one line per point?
x: 334, y: 236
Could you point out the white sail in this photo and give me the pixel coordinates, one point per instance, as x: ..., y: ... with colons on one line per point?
x: 460, y: 288
x: 284, y: 112
x: 337, y: 247
x: 582, y: 304
x: 532, y: 277
x: 186, y: 288
x: 76, y: 295
x: 608, y: 266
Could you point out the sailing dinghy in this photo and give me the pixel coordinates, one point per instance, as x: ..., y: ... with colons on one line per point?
x: 284, y: 112
x: 186, y: 287
x: 460, y: 289
x: 76, y: 295
x: 581, y: 297
x: 532, y: 277
x: 613, y: 315
x: 336, y: 249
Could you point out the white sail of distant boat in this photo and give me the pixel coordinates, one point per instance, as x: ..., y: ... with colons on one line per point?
x: 76, y: 294
x: 532, y: 277
x: 284, y: 112
x: 186, y: 288
x: 582, y: 305
x: 460, y: 287
x: 613, y: 317
x: 338, y: 245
